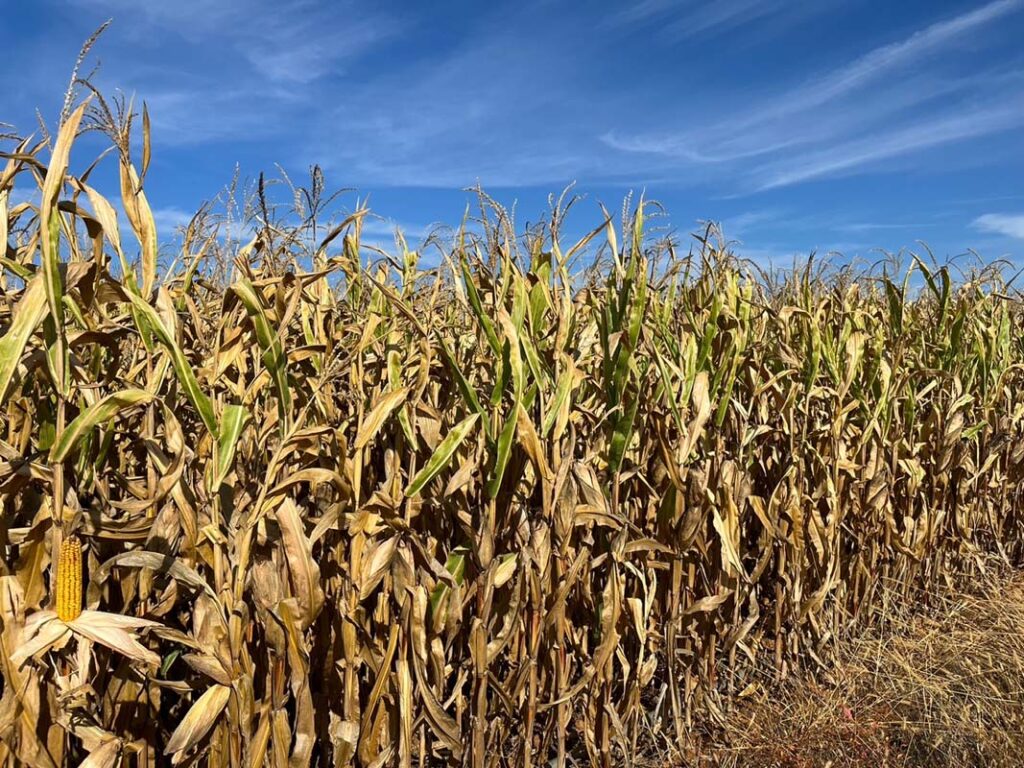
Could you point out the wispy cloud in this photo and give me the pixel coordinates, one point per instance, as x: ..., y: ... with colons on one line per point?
x: 696, y: 16
x: 877, y: 63
x: 684, y: 19
x: 740, y: 224
x: 386, y: 229
x: 882, y: 105
x: 169, y: 220
x: 211, y: 70
x: 877, y: 226
x: 289, y: 41
x: 701, y: 102
x: 1008, y: 224
x: 454, y: 123
x: 913, y: 138
x: 724, y: 15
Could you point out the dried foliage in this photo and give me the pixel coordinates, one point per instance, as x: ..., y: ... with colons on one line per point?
x: 340, y: 511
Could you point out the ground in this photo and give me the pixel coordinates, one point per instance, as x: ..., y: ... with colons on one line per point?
x: 941, y: 685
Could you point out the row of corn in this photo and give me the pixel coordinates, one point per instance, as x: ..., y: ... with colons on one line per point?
x: 512, y: 498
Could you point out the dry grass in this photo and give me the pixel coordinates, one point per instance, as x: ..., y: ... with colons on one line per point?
x: 340, y: 507
x: 941, y: 685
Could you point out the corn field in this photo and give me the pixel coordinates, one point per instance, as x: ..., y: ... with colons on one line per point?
x: 505, y: 500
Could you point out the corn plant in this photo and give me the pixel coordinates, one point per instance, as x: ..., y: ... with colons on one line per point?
x: 295, y: 501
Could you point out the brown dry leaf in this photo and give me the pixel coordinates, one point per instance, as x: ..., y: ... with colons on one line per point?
x: 198, y: 720
x: 378, y: 415
x: 305, y: 574
x: 111, y: 630
x: 107, y: 755
x: 49, y: 634
x: 32, y: 566
x: 707, y: 604
x: 376, y: 563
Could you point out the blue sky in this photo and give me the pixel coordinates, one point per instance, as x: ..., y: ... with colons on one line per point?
x: 821, y: 125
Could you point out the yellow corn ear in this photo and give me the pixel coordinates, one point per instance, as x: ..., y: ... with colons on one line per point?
x: 69, y: 580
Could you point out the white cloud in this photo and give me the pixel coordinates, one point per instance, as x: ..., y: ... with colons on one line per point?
x: 1011, y: 225
x: 913, y: 138
x: 169, y: 220
x: 26, y: 193
x: 244, y: 70
x: 473, y: 114
x: 512, y: 104
x: 683, y: 19
x: 892, y: 101
x: 875, y: 64
x: 295, y: 40
x: 739, y: 225
x: 385, y: 229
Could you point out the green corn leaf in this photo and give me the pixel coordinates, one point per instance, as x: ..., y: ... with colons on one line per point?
x: 5, y: 196
x: 621, y: 434
x: 273, y: 354
x: 442, y: 455
x: 562, y: 390
x: 455, y: 564
x: 232, y: 423
x: 28, y: 313
x: 478, y: 309
x: 505, y: 440
x: 182, y: 369
x: 96, y: 414
x: 395, y: 380
x: 49, y: 215
x: 465, y: 388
